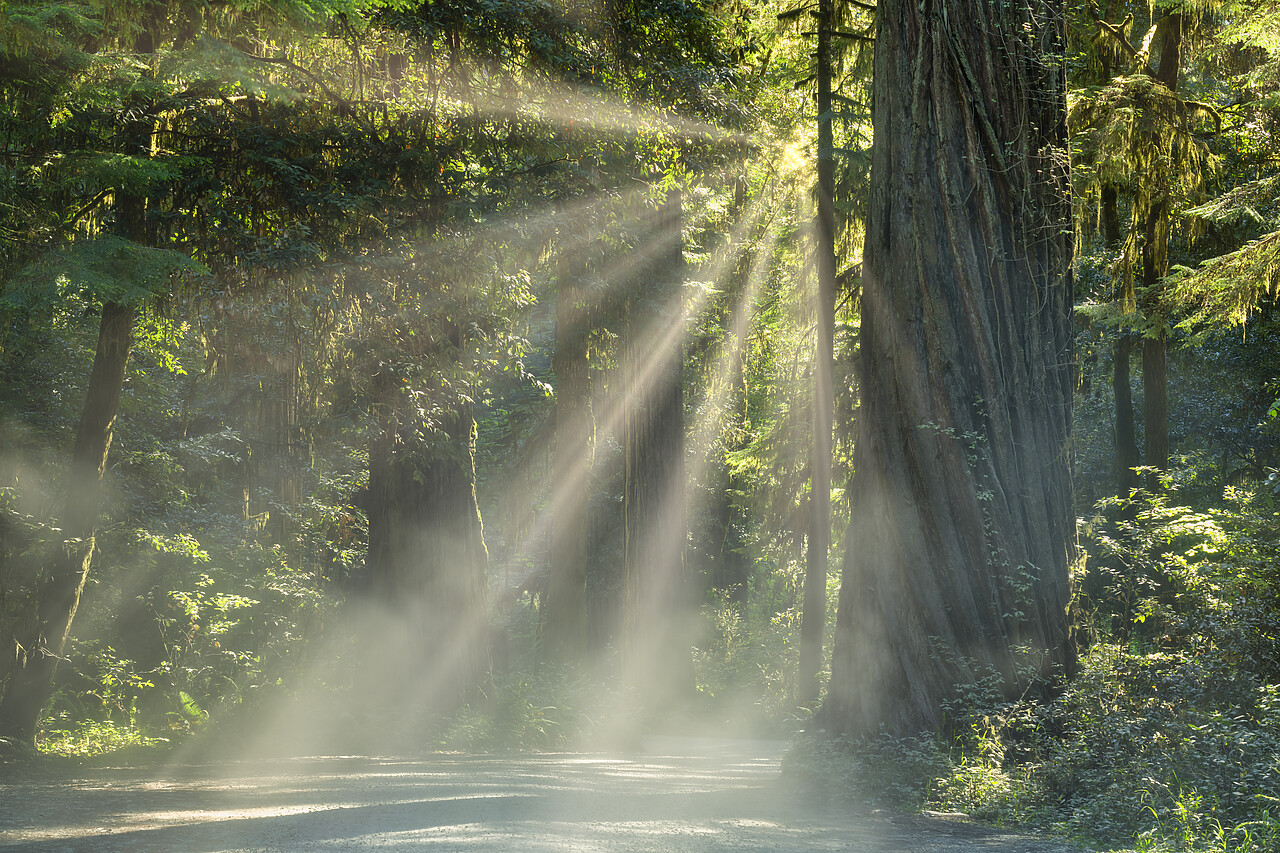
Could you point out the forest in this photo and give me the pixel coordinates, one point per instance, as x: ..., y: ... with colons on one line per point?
x: 482, y: 376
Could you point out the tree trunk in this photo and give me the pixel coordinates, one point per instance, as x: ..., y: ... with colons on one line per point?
x: 428, y: 647
x: 1155, y: 265
x: 60, y: 584
x: 573, y: 454
x: 1111, y: 235
x: 962, y: 520
x: 731, y: 571
x: 818, y: 541
x: 657, y: 638
x: 1126, y: 436
x: 1155, y: 383
x: 1155, y: 407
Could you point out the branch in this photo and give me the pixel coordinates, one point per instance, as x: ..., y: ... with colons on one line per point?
x: 88, y: 208
x: 842, y: 34
x: 1211, y: 111
x: 792, y: 14
x: 539, y: 168
x: 1117, y: 32
x: 310, y: 75
x: 344, y: 106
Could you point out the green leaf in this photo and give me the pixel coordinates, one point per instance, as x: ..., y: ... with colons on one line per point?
x: 106, y: 269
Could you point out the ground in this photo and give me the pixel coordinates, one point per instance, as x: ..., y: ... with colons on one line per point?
x: 690, y: 796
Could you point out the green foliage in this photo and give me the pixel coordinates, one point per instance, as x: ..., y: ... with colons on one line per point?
x: 90, y: 738
x: 746, y: 659
x: 538, y: 709
x: 884, y: 771
x: 1167, y: 739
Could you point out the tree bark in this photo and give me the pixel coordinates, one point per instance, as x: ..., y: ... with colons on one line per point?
x: 818, y: 541
x: 657, y: 639
x: 1155, y: 265
x: 428, y: 649
x: 1111, y: 235
x: 731, y: 572
x: 956, y: 564
x: 1126, y: 435
x: 61, y: 582
x: 573, y: 454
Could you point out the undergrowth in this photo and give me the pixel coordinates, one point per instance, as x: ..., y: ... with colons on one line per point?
x: 1167, y: 739
x: 93, y: 738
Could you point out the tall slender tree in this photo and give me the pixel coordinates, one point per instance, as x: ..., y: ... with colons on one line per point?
x: 61, y: 579
x: 818, y: 540
x: 962, y: 525
x: 1139, y: 137
x: 573, y: 455
x: 427, y: 559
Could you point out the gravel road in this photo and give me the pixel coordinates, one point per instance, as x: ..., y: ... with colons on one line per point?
x: 690, y: 796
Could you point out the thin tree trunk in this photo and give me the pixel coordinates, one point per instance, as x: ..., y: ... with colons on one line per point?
x: 1126, y: 436
x: 818, y: 541
x: 1155, y: 265
x: 58, y: 587
x: 1111, y: 217
x: 731, y: 572
x: 573, y: 454
x: 1155, y: 406
x: 956, y: 564
x: 58, y: 590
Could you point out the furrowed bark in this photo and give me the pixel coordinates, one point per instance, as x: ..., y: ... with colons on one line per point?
x: 956, y: 562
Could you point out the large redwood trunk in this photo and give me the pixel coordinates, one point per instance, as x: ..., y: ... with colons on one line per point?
x: 59, y: 585
x: 962, y: 523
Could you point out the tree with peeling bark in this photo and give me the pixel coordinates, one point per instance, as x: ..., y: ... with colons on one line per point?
x: 962, y: 532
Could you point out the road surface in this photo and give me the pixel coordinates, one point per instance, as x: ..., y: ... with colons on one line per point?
x: 677, y: 795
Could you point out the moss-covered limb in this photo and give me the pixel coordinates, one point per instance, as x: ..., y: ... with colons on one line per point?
x: 1226, y: 290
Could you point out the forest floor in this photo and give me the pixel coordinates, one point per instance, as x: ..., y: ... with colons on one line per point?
x: 677, y: 794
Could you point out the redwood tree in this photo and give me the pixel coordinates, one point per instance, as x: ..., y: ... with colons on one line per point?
x: 818, y: 540
x: 572, y: 456
x: 656, y: 643
x: 427, y: 649
x: 962, y: 526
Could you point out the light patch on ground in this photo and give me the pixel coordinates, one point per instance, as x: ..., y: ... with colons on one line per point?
x: 682, y: 796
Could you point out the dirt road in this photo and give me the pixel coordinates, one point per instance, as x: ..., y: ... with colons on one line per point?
x: 685, y: 796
